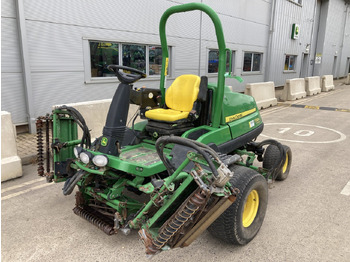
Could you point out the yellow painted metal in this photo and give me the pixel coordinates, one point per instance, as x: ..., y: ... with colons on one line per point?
x: 251, y: 207
x: 239, y: 115
x: 284, y: 169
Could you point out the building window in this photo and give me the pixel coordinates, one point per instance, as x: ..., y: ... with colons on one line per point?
x: 103, y: 54
x: 233, y: 62
x: 213, y: 61
x: 134, y: 56
x: 252, y: 62
x: 155, y: 60
x: 146, y: 58
x: 289, y: 63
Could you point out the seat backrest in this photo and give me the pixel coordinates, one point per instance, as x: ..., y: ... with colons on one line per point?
x: 183, y: 93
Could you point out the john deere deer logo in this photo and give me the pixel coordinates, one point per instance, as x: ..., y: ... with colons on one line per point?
x: 104, y: 141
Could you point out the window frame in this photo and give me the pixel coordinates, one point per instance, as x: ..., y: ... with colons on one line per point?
x: 297, y: 2
x: 294, y: 66
x: 251, y: 72
x: 233, y: 62
x: 88, y: 79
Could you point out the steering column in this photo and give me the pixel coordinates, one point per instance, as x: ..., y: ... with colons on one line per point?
x: 115, y: 127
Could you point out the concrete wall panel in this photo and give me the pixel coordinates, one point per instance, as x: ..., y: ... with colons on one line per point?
x: 312, y: 85
x: 11, y: 166
x: 95, y: 114
x: 294, y: 89
x: 327, y: 83
x: 263, y: 93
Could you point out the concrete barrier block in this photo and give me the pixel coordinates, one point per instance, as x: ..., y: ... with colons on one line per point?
x: 263, y: 93
x: 312, y: 85
x: 347, y: 81
x: 11, y: 166
x: 294, y: 89
x: 95, y: 114
x: 327, y: 83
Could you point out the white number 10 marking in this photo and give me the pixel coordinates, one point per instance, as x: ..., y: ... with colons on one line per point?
x: 283, y: 130
x: 297, y: 133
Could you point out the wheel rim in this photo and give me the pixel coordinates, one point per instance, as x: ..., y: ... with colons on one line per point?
x: 284, y: 169
x: 250, y: 208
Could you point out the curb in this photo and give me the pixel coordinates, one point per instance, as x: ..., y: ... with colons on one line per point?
x: 29, y: 159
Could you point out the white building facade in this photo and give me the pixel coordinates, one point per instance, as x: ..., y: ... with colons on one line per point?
x: 56, y: 52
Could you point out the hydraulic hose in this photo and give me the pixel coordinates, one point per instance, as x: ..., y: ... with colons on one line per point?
x: 79, y: 119
x: 133, y: 125
x: 71, y: 182
x: 202, y: 149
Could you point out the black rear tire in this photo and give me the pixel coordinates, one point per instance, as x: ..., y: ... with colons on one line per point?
x: 273, y: 155
x: 234, y: 225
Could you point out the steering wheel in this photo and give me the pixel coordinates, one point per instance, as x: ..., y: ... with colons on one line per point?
x: 126, y: 78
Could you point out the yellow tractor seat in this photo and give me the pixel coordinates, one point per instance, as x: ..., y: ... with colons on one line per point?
x: 168, y: 115
x: 179, y: 98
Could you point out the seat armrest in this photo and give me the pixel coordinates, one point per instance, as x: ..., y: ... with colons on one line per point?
x: 203, y: 88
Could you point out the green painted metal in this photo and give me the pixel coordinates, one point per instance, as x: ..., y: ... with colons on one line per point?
x: 176, y: 173
x: 136, y: 221
x: 133, y: 165
x: 198, y: 158
x: 232, y: 115
x: 84, y: 167
x: 64, y: 131
x: 234, y: 103
x: 149, y: 188
x: 170, y: 201
x: 244, y: 123
x: 216, y: 136
x: 249, y: 161
x: 140, y: 126
x: 218, y: 95
x: 118, y: 204
x: 117, y: 189
x: 229, y: 73
x: 73, y: 142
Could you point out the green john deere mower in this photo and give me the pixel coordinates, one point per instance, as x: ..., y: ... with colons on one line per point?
x: 190, y: 165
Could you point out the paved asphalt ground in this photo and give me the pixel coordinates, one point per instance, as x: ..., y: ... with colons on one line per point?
x: 308, y: 215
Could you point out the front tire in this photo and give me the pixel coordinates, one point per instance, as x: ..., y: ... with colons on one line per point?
x: 273, y: 155
x: 240, y: 223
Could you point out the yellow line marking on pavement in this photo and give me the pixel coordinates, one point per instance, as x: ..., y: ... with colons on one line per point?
x: 22, y: 185
x: 286, y: 105
x: 321, y: 108
x: 24, y: 191
x: 346, y: 190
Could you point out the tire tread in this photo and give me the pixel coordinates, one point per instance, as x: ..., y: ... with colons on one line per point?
x: 223, y: 227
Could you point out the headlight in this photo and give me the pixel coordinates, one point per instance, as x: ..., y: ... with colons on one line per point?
x: 100, y: 160
x: 77, y: 150
x: 85, y: 157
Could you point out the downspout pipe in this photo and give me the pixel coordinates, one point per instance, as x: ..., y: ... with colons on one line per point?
x: 27, y: 79
x: 312, y: 40
x: 200, y: 41
x: 342, y: 43
x: 269, y: 42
